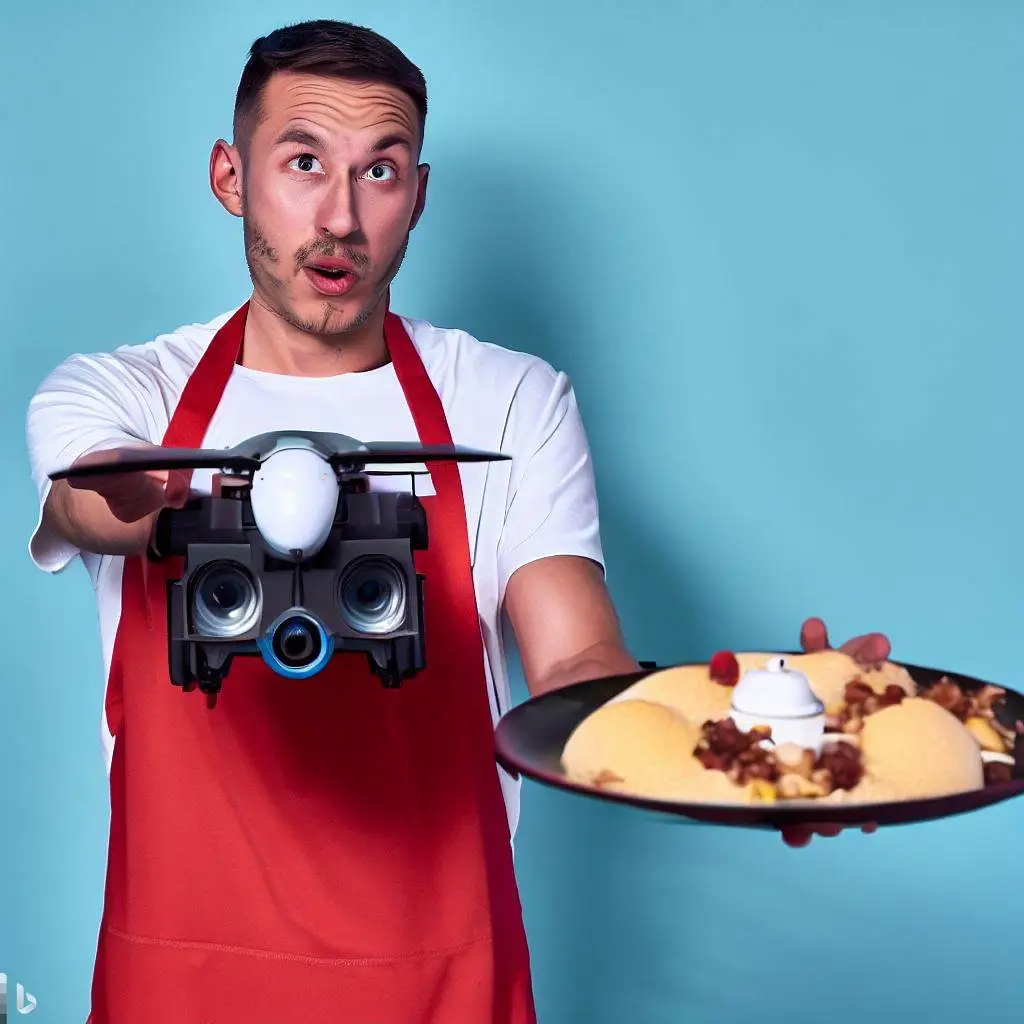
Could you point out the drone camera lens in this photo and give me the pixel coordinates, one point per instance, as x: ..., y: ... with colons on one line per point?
x: 372, y: 595
x: 225, y: 600
x: 297, y: 642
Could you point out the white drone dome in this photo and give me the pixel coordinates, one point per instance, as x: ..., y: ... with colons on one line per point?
x: 294, y: 497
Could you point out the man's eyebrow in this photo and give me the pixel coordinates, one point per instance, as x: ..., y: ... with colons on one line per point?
x: 301, y: 136
x: 394, y: 139
x: 304, y: 137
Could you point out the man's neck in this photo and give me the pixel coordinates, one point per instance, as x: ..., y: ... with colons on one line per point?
x: 273, y: 345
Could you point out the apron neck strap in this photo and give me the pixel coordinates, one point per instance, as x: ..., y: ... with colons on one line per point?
x: 205, y: 387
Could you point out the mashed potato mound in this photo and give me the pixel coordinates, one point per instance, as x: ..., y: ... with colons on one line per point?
x: 918, y: 749
x: 636, y: 743
x: 686, y: 689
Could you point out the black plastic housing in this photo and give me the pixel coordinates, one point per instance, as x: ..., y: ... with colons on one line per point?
x: 213, y: 528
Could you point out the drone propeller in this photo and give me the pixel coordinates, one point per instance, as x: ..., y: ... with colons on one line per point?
x: 339, y: 450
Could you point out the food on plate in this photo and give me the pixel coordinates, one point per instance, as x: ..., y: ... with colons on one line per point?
x: 919, y: 750
x: 755, y: 727
x: 644, y: 744
x: 699, y: 692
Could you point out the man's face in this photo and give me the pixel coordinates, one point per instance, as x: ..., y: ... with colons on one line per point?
x: 331, y: 175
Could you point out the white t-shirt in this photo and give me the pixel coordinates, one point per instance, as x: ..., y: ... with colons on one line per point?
x: 540, y: 502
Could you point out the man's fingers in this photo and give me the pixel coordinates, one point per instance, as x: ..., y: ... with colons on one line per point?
x: 814, y: 635
x: 177, y: 489
x: 797, y: 836
x: 869, y: 649
x: 118, y: 483
x: 800, y: 835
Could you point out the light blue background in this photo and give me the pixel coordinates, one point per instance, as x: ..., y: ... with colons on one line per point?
x: 779, y: 249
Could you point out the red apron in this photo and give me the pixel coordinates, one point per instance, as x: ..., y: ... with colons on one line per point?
x: 324, y: 851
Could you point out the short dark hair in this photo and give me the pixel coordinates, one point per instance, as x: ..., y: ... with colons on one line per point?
x: 335, y: 49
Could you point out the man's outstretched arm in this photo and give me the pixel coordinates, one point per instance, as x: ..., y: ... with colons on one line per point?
x: 110, y: 515
x: 565, y: 624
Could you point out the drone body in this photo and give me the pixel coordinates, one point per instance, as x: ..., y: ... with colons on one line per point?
x: 294, y: 495
x: 295, y: 562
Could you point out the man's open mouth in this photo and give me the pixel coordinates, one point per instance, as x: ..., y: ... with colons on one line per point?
x: 337, y: 279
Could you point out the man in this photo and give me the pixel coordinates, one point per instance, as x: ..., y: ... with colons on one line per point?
x: 331, y: 851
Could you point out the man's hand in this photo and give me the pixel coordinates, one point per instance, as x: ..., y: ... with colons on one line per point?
x: 869, y: 650
x: 132, y: 495
x: 113, y: 514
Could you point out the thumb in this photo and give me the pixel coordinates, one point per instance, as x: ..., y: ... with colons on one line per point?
x: 814, y: 635
x: 177, y: 489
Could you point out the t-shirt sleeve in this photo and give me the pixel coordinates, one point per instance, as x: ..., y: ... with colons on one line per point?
x: 88, y: 403
x: 552, y: 507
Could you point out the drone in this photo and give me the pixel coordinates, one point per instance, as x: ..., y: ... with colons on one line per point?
x: 292, y: 558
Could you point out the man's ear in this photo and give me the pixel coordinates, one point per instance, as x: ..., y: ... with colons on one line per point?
x: 423, y: 172
x: 226, y: 176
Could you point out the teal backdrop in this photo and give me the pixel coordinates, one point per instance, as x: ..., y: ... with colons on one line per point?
x: 778, y: 247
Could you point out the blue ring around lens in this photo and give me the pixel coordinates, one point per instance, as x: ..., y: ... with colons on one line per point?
x: 266, y: 646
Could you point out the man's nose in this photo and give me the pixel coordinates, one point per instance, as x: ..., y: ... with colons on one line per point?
x: 339, y: 212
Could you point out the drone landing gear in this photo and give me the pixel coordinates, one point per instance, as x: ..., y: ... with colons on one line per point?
x: 384, y: 664
x: 208, y: 677
x: 211, y: 687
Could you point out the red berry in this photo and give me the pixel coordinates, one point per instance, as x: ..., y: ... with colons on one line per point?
x: 724, y: 668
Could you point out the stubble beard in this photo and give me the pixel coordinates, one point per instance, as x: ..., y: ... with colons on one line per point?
x: 265, y: 269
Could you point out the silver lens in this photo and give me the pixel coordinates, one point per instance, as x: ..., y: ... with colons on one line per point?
x: 372, y: 595
x: 225, y: 600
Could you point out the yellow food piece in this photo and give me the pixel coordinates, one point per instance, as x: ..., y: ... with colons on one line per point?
x: 687, y: 689
x: 644, y: 745
x: 917, y: 749
x: 793, y: 787
x: 987, y: 738
x: 710, y: 787
x: 868, y: 791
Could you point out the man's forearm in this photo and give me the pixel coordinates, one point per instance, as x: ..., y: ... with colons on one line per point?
x: 593, y: 663
x: 84, y: 519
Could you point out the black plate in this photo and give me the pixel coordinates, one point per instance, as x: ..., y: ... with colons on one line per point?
x: 338, y: 449
x: 531, y: 736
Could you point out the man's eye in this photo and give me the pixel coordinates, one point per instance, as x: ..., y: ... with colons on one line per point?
x: 380, y: 172
x: 305, y: 159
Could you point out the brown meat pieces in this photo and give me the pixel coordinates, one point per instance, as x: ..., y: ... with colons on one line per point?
x: 724, y: 747
x: 976, y: 709
x: 837, y: 766
x: 961, y: 703
x: 861, y: 701
x: 996, y: 772
x: 843, y: 763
